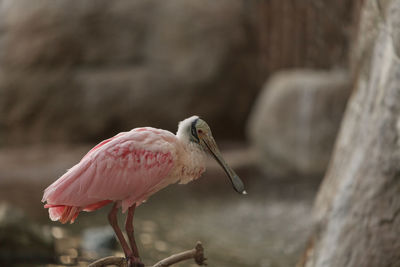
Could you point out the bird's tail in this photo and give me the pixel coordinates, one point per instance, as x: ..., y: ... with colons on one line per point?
x: 63, y: 213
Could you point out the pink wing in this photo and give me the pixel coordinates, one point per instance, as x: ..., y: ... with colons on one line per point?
x: 127, y: 167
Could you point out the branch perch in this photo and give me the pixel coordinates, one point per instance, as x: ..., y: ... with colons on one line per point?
x: 111, y: 260
x: 197, y: 254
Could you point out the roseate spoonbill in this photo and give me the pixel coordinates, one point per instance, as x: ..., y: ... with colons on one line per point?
x: 129, y: 167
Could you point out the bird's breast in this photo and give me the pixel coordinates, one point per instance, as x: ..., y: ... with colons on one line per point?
x: 192, y: 173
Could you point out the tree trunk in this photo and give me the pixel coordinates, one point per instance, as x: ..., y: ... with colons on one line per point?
x: 357, y: 210
x: 307, y: 33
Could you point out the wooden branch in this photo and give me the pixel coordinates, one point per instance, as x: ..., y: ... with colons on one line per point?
x: 111, y: 260
x: 197, y: 254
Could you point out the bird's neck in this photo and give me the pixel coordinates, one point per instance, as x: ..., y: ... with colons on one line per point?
x: 192, y: 162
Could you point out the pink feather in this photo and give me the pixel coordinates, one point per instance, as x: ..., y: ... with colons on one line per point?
x: 128, y: 167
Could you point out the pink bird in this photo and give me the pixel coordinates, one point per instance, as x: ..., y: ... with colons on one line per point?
x: 129, y: 167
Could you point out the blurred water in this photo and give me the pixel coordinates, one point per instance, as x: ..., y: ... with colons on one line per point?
x: 268, y: 227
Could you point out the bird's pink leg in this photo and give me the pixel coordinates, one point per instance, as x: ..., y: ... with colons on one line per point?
x: 112, y: 218
x: 130, y: 231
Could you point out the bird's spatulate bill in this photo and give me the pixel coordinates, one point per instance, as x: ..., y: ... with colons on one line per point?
x: 211, y: 145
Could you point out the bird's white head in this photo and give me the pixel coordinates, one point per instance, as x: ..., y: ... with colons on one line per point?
x: 197, y: 131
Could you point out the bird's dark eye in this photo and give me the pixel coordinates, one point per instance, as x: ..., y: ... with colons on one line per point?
x: 200, y: 131
x: 193, y: 131
x: 194, y: 134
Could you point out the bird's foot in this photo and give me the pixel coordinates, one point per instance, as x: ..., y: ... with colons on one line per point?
x: 134, y: 262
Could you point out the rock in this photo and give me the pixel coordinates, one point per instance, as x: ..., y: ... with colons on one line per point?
x: 77, y: 72
x: 100, y: 240
x: 357, y: 209
x: 83, y: 71
x: 80, y: 72
x: 22, y: 240
x: 295, y: 120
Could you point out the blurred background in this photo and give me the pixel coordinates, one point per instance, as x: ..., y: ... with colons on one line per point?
x: 270, y: 77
